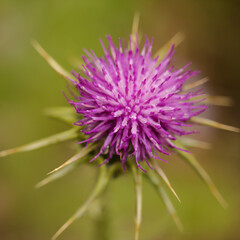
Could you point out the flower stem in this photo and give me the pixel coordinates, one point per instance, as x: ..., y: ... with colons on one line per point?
x: 138, y: 188
x: 102, y: 219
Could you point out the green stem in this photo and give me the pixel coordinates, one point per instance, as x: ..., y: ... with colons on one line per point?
x: 102, y: 219
x: 137, y: 175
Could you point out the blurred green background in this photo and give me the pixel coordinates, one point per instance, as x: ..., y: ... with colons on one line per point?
x: 28, y: 86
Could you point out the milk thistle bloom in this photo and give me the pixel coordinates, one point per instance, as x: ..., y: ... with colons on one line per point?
x: 130, y: 106
x: 133, y: 102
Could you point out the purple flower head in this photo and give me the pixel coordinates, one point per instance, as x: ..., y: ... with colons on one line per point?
x: 132, y: 104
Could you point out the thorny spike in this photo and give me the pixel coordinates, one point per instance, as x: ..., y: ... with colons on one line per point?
x: 192, y: 161
x: 211, y: 123
x: 62, y: 172
x: 154, y: 179
x: 215, y: 100
x: 137, y: 174
x: 190, y: 142
x: 74, y: 158
x: 76, y: 62
x: 195, y: 84
x: 176, y: 40
x: 164, y: 178
x: 219, y: 100
x: 135, y: 25
x: 100, y: 186
x: 65, y: 114
x: 57, y: 138
x: 58, y: 68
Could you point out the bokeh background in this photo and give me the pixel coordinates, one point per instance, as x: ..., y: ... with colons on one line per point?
x: 28, y: 86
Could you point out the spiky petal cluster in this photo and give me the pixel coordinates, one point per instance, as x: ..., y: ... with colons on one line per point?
x: 132, y: 104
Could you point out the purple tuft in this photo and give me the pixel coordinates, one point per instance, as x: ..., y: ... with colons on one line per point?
x: 133, y: 105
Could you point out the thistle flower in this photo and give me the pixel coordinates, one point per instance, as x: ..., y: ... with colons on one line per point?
x: 131, y: 105
x: 133, y: 102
